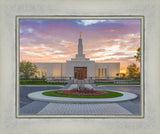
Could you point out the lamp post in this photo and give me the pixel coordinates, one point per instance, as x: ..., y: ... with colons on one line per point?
x: 91, y: 77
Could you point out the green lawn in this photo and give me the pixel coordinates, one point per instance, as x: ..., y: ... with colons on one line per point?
x: 55, y: 94
x: 104, y: 84
x: 40, y: 82
x: 111, y: 83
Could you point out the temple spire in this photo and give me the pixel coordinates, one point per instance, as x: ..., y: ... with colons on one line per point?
x: 80, y: 56
x: 80, y: 46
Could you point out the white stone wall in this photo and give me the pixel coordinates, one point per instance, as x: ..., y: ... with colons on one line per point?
x: 67, y: 69
x: 89, y: 64
x: 53, y: 69
x: 112, y: 69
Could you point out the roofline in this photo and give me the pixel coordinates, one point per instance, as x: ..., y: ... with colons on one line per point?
x: 66, y: 62
x: 47, y: 62
x: 107, y: 62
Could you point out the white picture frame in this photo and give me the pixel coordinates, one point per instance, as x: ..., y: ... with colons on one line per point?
x: 92, y: 17
x: 9, y: 123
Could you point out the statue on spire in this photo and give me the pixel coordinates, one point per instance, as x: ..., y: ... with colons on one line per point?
x: 80, y: 34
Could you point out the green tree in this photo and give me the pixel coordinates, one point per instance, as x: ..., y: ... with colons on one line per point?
x: 133, y: 71
x: 117, y: 74
x: 138, y: 55
x: 27, y: 69
x: 123, y: 75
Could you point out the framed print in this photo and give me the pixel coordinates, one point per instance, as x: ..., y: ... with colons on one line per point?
x: 106, y: 82
x: 79, y: 67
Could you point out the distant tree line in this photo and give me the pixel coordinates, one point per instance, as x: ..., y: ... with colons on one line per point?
x: 132, y: 72
x: 27, y: 69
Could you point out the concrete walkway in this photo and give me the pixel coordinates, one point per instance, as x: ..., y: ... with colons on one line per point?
x: 46, y: 108
x: 83, y: 109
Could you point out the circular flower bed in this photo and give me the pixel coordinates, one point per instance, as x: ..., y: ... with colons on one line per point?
x: 82, y: 91
x: 96, y: 94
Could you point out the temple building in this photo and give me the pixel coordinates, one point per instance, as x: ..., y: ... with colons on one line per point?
x: 79, y: 67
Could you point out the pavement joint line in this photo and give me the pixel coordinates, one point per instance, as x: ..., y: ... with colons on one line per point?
x: 33, y: 108
x: 84, y: 109
x: 131, y: 106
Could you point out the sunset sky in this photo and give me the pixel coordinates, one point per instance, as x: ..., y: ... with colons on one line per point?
x: 57, y: 40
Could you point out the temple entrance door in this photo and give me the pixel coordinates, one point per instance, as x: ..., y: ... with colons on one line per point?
x: 80, y: 73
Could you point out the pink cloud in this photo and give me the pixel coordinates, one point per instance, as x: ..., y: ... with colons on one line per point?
x: 57, y: 41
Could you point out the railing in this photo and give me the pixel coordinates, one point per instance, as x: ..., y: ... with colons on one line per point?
x: 91, y: 80
x: 57, y: 79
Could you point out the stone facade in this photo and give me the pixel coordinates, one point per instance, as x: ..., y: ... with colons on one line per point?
x: 89, y: 64
x: 107, y: 69
x: 52, y: 69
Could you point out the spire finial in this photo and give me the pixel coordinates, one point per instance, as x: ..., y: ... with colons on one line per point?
x: 80, y: 34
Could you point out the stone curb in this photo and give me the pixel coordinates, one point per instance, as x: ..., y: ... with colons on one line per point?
x: 38, y: 96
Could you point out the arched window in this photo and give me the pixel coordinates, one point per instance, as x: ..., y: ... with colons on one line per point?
x: 105, y: 72
x: 39, y: 72
x: 42, y: 70
x: 98, y: 72
x: 45, y: 72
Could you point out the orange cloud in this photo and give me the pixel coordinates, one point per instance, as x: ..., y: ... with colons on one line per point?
x: 57, y: 40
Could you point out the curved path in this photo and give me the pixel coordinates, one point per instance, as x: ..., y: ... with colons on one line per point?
x: 38, y: 96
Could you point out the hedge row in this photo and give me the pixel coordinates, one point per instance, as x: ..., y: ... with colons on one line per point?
x: 40, y: 82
